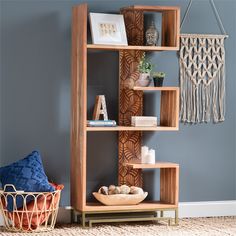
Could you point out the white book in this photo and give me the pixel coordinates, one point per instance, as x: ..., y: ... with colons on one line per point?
x: 98, y: 123
x: 143, y: 117
x: 148, y: 121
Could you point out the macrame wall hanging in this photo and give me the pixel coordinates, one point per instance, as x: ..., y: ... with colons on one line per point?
x: 202, y: 75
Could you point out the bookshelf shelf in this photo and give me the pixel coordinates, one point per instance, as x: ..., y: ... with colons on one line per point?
x: 144, y: 206
x: 131, y: 128
x: 152, y: 166
x: 156, y: 88
x: 130, y: 47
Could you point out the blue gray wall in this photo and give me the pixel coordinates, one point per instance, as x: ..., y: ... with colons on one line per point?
x: 35, y: 99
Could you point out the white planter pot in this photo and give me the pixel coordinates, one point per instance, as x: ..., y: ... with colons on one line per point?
x: 144, y: 80
x: 144, y: 76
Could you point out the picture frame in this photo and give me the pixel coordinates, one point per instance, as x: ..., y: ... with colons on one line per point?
x: 108, y: 29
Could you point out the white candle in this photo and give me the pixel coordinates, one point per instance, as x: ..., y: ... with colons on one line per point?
x: 144, y: 153
x: 150, y: 158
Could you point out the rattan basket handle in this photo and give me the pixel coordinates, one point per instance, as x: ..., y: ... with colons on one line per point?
x: 11, y: 185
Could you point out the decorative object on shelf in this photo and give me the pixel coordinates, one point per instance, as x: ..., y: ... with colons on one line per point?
x: 158, y: 78
x: 152, y: 35
x: 150, y: 158
x: 120, y: 195
x: 100, y: 108
x: 202, y: 75
x: 112, y: 189
x: 101, y: 123
x: 124, y: 189
x: 136, y: 190
x: 120, y: 199
x: 147, y: 155
x: 144, y: 153
x: 108, y: 29
x: 144, y: 68
x: 144, y: 80
x: 103, y: 190
x: 144, y: 121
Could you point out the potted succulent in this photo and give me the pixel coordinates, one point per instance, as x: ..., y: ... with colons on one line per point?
x: 158, y: 78
x: 144, y: 68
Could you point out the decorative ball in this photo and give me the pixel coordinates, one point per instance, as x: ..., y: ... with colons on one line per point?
x: 117, y: 190
x: 136, y: 190
x: 103, y: 190
x: 111, y: 189
x: 124, y: 189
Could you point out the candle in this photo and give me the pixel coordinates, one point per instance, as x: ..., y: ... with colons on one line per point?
x: 144, y: 153
x: 150, y: 157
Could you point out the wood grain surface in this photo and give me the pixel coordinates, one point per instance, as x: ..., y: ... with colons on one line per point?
x: 130, y: 101
x: 79, y: 107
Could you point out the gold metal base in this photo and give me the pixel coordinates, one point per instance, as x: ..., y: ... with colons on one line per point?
x: 87, y: 219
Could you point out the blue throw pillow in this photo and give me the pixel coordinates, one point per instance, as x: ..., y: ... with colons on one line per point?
x: 27, y: 175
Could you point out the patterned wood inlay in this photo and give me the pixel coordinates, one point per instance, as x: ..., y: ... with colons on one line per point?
x: 130, y: 101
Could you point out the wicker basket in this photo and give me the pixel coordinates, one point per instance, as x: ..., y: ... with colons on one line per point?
x: 38, y: 212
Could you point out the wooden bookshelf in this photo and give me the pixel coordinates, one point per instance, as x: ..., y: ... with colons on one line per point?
x: 130, y: 104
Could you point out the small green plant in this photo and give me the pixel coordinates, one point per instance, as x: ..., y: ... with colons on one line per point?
x: 159, y: 74
x: 144, y: 65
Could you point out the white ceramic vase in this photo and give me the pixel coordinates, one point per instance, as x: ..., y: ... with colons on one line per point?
x: 143, y: 80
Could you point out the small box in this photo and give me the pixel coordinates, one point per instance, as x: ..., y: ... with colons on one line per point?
x: 147, y: 121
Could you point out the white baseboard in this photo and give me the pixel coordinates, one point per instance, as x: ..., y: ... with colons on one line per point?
x: 186, y: 210
x: 207, y: 209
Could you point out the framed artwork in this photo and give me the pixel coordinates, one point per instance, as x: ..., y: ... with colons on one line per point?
x: 108, y: 29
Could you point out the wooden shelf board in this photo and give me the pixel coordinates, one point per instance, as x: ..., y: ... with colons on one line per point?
x: 152, y: 166
x: 152, y: 8
x: 120, y: 47
x: 144, y: 206
x: 156, y: 88
x: 131, y: 128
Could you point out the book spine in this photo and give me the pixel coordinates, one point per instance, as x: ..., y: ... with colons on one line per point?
x: 149, y: 118
x: 144, y: 123
x: 101, y: 123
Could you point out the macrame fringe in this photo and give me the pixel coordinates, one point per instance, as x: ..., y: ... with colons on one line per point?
x: 199, y: 101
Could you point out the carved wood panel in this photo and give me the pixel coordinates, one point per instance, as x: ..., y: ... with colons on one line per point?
x: 130, y: 101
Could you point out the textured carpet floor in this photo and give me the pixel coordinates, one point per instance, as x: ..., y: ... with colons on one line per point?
x: 218, y: 226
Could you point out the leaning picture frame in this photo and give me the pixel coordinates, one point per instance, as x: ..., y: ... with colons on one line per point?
x: 108, y: 29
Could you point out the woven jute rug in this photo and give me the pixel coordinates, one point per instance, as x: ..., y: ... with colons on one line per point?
x: 217, y: 226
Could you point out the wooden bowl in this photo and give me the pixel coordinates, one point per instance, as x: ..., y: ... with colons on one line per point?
x: 120, y: 199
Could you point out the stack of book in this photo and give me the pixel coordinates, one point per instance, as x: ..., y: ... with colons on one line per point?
x: 101, y: 123
x: 147, y: 121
